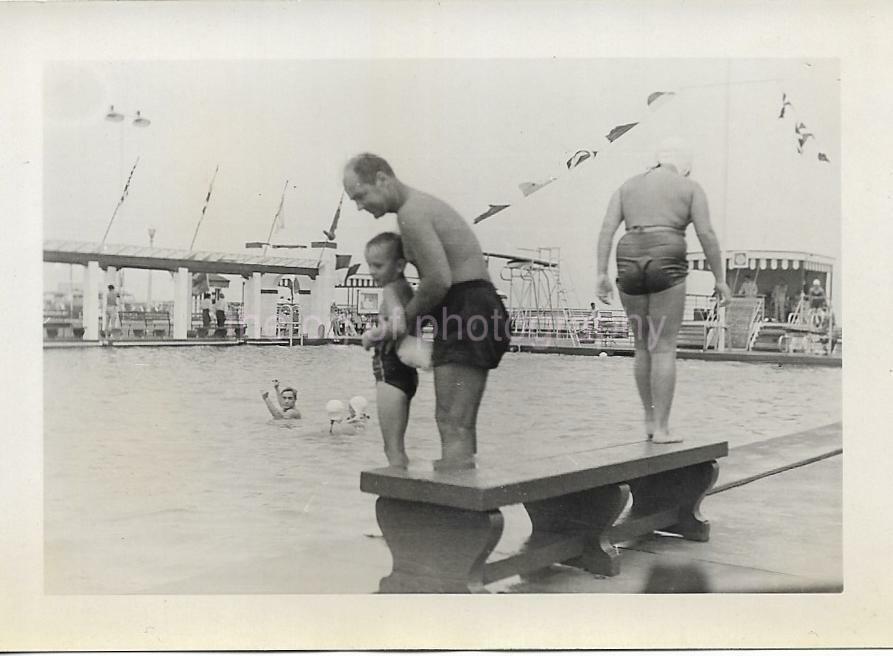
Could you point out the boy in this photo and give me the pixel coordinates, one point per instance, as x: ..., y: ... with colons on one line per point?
x: 287, y: 397
x: 396, y: 383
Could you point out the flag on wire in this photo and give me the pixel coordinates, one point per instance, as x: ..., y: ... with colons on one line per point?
x: 351, y: 271
x: 823, y: 158
x: 330, y: 233
x: 579, y: 157
x: 802, y: 136
x: 490, y: 212
x: 528, y: 188
x: 342, y: 261
x: 619, y: 130
x: 785, y: 103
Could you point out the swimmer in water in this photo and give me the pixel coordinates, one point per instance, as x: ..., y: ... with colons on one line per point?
x: 287, y: 397
x: 337, y: 423
x: 357, y: 412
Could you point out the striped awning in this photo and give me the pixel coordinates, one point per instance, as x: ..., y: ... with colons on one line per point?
x: 763, y: 260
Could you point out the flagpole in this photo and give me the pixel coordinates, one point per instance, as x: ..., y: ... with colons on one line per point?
x: 276, y: 217
x: 330, y: 233
x: 204, y: 209
x: 120, y: 203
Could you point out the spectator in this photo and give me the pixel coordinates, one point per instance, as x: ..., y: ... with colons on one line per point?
x: 748, y: 287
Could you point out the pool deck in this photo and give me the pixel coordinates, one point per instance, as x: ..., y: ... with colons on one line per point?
x: 550, y: 347
x: 776, y: 526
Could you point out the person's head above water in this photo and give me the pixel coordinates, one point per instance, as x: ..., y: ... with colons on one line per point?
x: 358, y: 404
x: 675, y: 152
x: 369, y: 181
x: 385, y: 258
x: 289, y: 396
x: 335, y: 410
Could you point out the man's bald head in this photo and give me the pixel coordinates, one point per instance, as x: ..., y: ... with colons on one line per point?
x: 366, y: 166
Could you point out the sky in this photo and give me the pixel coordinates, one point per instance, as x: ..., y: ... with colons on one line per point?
x: 466, y: 130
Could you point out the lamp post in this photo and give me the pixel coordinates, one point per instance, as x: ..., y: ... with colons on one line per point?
x: 141, y: 122
x: 149, y: 290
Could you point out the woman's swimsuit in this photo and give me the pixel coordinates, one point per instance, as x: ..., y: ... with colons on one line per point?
x: 651, y: 259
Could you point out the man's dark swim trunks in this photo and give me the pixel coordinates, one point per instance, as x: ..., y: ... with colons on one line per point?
x: 471, y: 326
x: 387, y: 368
x: 651, y: 261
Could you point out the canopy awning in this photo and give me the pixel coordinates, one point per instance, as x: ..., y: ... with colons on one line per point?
x: 169, y: 259
x: 762, y: 260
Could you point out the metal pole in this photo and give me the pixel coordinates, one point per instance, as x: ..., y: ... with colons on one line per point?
x: 276, y: 217
x: 721, y: 312
x: 205, y: 207
x: 149, y: 290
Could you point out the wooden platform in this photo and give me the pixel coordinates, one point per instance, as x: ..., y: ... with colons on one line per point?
x: 441, y: 526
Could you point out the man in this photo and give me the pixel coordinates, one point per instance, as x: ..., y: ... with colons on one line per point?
x: 816, y: 295
x: 748, y: 287
x: 111, y: 310
x: 219, y: 305
x: 471, y: 330
x: 779, y: 300
x: 287, y: 397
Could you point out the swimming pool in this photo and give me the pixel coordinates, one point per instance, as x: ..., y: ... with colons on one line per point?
x: 162, y: 464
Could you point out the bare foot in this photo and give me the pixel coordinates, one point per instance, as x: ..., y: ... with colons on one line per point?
x: 664, y: 437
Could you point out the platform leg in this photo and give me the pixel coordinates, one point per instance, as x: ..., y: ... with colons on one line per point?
x: 589, y: 514
x: 682, y: 490
x: 436, y: 548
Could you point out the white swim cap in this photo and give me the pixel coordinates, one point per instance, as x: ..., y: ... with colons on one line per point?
x: 676, y: 152
x: 335, y: 409
x: 816, y: 282
x: 358, y: 403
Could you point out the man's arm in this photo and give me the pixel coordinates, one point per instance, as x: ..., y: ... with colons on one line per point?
x: 435, y: 276
x: 271, y: 406
x: 278, y: 392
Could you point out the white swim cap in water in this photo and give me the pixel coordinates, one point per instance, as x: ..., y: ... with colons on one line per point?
x: 676, y: 152
x: 358, y: 403
x: 335, y: 409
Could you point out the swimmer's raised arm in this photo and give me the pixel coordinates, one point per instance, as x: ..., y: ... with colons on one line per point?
x: 271, y: 405
x: 278, y: 391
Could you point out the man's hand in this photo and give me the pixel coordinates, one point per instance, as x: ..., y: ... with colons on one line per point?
x: 398, y: 326
x: 603, y: 288
x: 367, y: 341
x: 722, y: 290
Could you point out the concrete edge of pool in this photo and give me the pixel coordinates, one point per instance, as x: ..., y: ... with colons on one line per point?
x: 755, y: 357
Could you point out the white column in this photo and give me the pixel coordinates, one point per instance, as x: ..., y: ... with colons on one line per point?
x: 253, y: 313
x: 182, y: 311
x: 91, y: 301
x: 268, y: 302
x: 322, y: 292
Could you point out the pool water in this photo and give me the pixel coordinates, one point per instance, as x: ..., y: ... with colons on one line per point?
x: 162, y: 463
